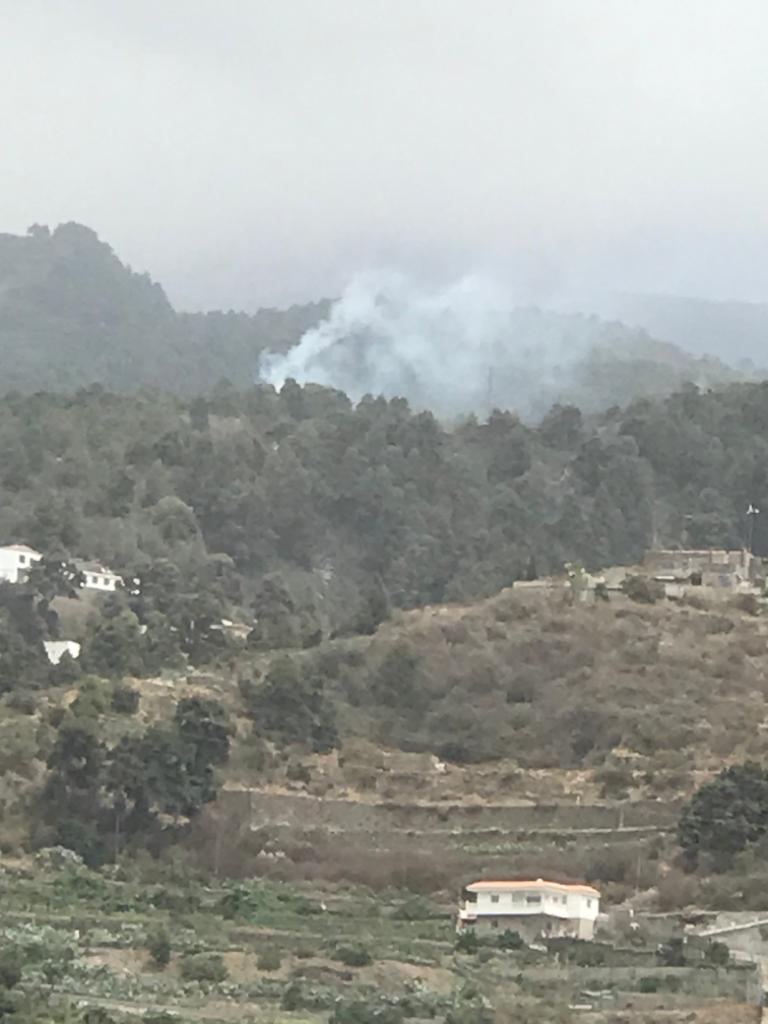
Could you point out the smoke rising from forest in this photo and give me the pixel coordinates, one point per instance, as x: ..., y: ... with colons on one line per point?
x: 463, y: 348
x: 443, y: 349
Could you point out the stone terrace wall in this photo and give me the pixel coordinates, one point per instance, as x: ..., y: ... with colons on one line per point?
x: 262, y: 808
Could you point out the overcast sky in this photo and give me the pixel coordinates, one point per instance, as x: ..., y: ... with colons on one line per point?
x: 252, y: 152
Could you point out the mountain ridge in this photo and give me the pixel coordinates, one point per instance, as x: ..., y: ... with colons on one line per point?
x: 72, y: 314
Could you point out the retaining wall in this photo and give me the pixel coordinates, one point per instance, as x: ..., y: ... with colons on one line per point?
x: 262, y: 808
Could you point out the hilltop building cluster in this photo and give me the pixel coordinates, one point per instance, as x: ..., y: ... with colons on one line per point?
x: 17, y: 559
x: 716, y: 572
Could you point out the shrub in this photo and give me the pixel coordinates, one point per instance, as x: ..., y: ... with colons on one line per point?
x: 649, y: 983
x: 360, y: 1011
x: 716, y: 624
x: 642, y: 589
x: 159, y: 947
x: 125, y: 700
x: 203, y: 967
x: 354, y: 956
x: 466, y: 942
x: 297, y: 772
x: 614, y: 780
x: 98, y: 1015
x: 718, y: 954
x: 291, y: 997
x: 414, y: 909
x: 511, y: 940
x: 471, y: 1013
x: 672, y: 954
x: 22, y: 701
x: 586, y: 954
x: 747, y: 603
x: 269, y: 960
x: 10, y: 968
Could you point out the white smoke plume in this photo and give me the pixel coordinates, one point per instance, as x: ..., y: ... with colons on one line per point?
x: 464, y: 348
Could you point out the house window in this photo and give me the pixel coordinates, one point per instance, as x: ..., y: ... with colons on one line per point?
x: 589, y: 903
x: 22, y: 559
x: 533, y: 898
x: 517, y: 897
x: 495, y: 898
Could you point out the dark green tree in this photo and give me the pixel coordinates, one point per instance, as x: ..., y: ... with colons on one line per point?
x: 727, y: 814
x: 290, y: 706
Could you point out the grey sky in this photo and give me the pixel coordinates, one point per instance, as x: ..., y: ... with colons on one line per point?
x: 262, y: 151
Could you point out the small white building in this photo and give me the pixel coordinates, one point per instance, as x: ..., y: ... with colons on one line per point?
x: 56, y: 649
x: 535, y: 909
x: 97, y: 577
x: 15, y: 562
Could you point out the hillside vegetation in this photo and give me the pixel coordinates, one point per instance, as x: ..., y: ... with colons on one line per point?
x: 71, y: 315
x: 523, y: 699
x: 318, y: 685
x: 315, y: 517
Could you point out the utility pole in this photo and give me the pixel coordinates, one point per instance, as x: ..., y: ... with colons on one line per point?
x: 686, y: 530
x: 752, y: 512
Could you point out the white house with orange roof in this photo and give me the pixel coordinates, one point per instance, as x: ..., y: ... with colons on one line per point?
x: 535, y: 909
x: 15, y: 562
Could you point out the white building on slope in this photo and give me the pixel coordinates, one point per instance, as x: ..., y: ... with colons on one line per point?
x: 15, y: 562
x: 97, y: 577
x: 56, y: 649
x: 535, y: 909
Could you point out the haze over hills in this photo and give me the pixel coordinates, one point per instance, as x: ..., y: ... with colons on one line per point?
x: 469, y: 348
x: 71, y: 314
x: 737, y: 331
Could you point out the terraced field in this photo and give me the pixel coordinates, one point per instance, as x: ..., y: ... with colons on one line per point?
x: 266, y: 951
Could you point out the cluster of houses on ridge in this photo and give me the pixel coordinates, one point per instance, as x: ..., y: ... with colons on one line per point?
x: 717, y: 572
x: 17, y: 559
x: 15, y: 562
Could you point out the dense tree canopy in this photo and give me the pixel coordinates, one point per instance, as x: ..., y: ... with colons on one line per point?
x: 727, y: 814
x: 304, y: 516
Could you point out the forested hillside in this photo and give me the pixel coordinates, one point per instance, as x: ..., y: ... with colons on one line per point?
x: 71, y: 315
x: 315, y: 516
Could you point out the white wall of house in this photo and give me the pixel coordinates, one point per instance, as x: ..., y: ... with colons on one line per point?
x: 56, y: 649
x: 501, y: 901
x: 15, y: 561
x: 99, y: 579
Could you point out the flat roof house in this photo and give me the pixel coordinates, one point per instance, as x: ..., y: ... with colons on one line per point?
x: 15, y: 561
x: 97, y: 577
x: 56, y: 649
x: 535, y: 909
x: 709, y: 567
